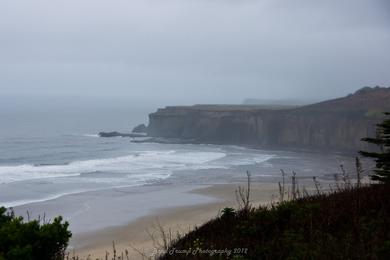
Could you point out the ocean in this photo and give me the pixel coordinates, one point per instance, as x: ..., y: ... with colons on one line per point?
x: 50, y: 151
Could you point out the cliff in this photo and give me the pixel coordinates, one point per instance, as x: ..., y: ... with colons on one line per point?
x: 337, y: 124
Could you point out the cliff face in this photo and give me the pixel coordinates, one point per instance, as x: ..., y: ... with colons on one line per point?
x: 332, y: 125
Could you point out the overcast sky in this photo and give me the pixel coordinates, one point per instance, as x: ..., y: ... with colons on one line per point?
x: 195, y: 51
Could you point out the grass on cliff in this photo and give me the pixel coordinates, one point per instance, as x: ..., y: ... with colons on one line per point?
x: 353, y: 223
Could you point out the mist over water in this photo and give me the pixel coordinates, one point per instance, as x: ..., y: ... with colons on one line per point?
x: 24, y: 116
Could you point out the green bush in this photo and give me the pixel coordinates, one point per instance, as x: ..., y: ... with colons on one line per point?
x: 228, y: 212
x: 32, y: 240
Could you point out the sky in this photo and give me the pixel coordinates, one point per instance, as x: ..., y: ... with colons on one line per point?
x: 193, y: 51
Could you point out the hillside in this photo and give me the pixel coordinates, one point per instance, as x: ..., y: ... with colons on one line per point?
x: 337, y: 124
x: 308, y: 228
x: 362, y: 101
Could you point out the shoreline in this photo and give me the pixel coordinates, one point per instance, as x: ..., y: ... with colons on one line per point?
x: 90, y: 211
x: 137, y: 233
x: 165, y: 140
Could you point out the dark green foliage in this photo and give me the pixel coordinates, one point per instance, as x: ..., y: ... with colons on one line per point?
x: 32, y: 240
x: 349, y: 224
x: 382, y: 158
x: 228, y: 213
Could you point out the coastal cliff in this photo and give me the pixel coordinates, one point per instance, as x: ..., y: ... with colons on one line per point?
x: 337, y: 124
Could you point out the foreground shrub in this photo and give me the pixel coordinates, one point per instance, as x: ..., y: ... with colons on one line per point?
x: 32, y: 240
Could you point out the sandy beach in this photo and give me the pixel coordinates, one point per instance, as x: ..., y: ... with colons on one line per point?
x: 137, y: 234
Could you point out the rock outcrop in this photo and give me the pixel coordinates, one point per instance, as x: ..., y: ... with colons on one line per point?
x: 117, y: 134
x: 337, y: 124
x: 142, y: 128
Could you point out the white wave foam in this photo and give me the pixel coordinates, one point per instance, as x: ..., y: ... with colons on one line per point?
x: 238, y: 159
x: 16, y: 203
x: 90, y: 135
x: 137, y: 168
x: 262, y: 159
x: 138, y: 162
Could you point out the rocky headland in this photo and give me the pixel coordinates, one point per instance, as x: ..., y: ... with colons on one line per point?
x: 337, y: 124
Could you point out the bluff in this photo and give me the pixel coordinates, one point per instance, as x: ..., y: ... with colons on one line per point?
x: 336, y: 124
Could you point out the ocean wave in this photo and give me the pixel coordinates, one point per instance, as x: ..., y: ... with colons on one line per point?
x: 90, y: 135
x: 16, y: 203
x: 144, y: 163
x: 135, y: 169
x: 249, y: 159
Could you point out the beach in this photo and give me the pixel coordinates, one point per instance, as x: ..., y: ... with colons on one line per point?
x: 137, y: 236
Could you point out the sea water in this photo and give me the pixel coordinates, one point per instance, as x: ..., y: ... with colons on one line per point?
x: 50, y: 150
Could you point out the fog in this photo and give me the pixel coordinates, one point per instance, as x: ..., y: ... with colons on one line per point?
x: 192, y: 51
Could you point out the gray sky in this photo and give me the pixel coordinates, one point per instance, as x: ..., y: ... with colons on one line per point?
x: 193, y: 51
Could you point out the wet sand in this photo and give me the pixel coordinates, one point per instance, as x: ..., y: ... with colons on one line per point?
x: 137, y: 235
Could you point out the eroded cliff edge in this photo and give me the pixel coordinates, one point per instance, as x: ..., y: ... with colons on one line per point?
x: 337, y: 124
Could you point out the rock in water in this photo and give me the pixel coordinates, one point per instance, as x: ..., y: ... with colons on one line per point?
x: 117, y: 134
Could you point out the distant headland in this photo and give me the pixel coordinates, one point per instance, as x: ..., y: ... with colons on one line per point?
x: 337, y: 124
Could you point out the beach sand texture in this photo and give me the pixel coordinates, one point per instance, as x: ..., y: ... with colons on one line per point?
x: 136, y: 236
